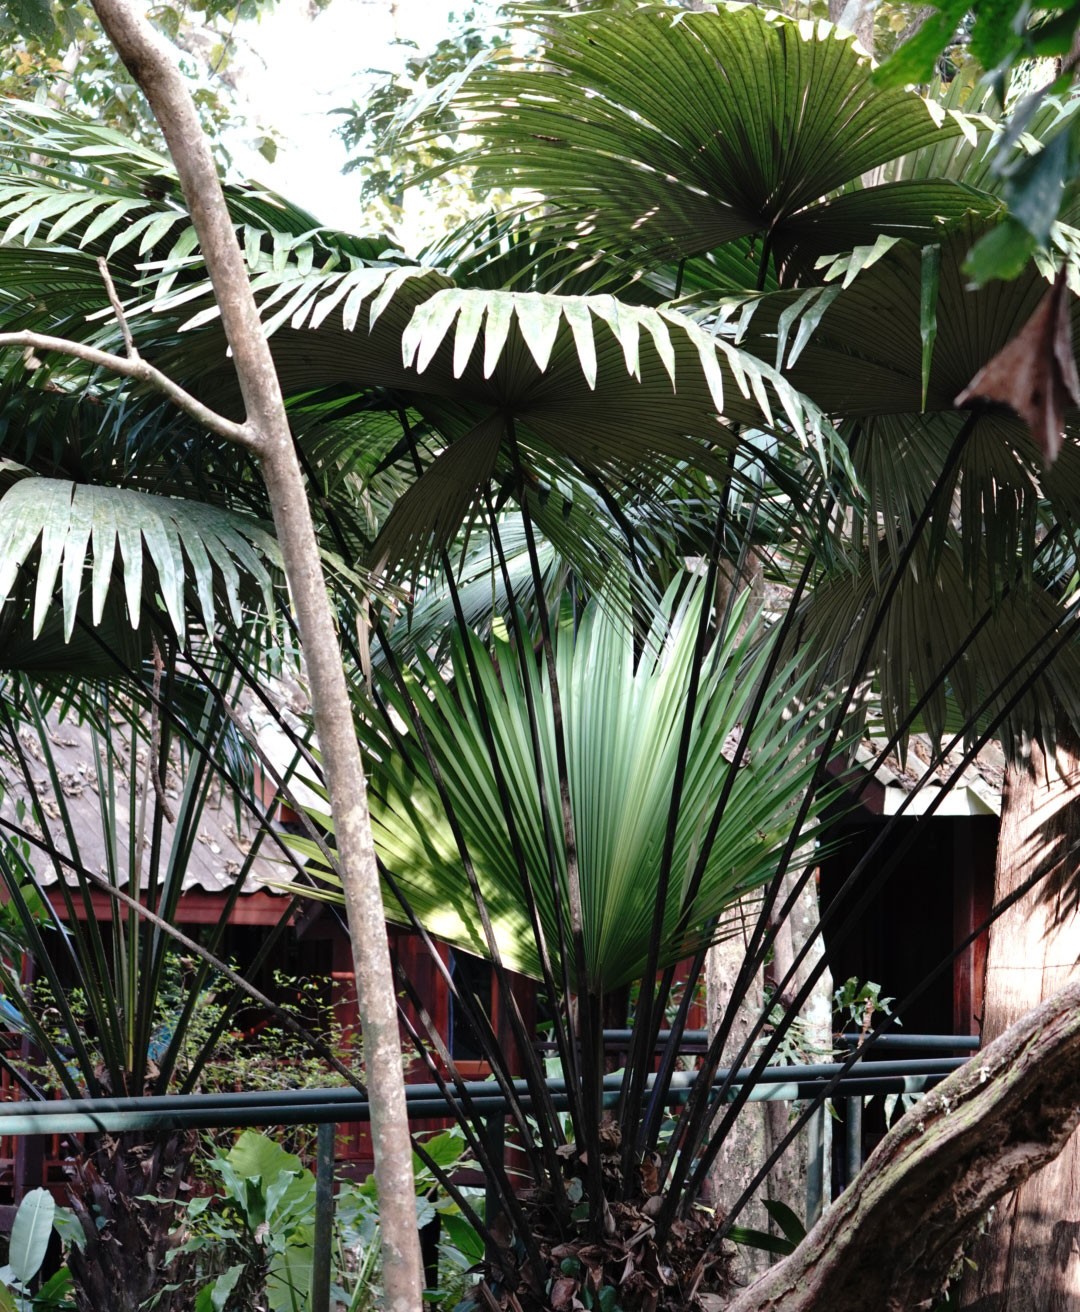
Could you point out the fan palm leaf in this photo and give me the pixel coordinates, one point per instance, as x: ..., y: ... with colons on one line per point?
x: 622, y: 713
x: 66, y: 180
x: 958, y: 652
x: 900, y: 390
x: 194, y: 551
x: 619, y: 391
x: 663, y: 131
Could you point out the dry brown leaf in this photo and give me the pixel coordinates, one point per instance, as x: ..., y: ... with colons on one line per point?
x: 1035, y: 374
x: 563, y: 1293
x: 650, y: 1173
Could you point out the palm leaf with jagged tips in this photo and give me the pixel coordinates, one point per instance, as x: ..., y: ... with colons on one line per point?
x: 621, y: 391
x: 75, y: 535
x: 657, y: 130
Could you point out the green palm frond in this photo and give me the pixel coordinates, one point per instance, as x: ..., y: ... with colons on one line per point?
x: 622, y: 710
x: 900, y: 388
x: 620, y: 390
x: 925, y: 648
x: 66, y: 181
x: 189, y: 553
x: 661, y: 130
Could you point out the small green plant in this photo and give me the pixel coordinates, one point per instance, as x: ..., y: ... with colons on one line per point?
x: 857, y: 1002
x: 35, y: 1220
x: 252, y: 1236
x: 792, y: 1231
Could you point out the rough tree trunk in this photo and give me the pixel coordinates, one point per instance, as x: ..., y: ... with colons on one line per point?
x: 889, y: 1241
x: 1029, y: 1260
x: 787, y: 1180
x: 858, y: 17
x: 745, y: 1148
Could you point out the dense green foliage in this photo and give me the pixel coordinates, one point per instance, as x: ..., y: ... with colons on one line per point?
x: 732, y: 332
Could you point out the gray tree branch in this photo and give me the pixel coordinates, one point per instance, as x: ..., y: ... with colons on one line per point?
x: 979, y: 1134
x: 150, y: 61
x: 136, y: 368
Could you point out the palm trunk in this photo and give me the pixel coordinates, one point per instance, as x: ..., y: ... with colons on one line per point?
x: 1028, y: 1259
x: 124, y: 1195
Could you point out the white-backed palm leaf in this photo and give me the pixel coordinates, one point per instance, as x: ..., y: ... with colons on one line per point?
x: 900, y: 388
x: 622, y: 713
x: 619, y: 390
x: 77, y: 538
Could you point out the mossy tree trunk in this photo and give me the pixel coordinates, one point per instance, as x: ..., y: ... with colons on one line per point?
x: 890, y: 1240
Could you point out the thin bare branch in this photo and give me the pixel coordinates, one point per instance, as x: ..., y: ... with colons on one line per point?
x: 153, y: 66
x: 140, y: 371
x: 118, y: 309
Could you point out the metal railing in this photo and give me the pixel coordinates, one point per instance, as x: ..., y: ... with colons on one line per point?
x: 327, y: 1108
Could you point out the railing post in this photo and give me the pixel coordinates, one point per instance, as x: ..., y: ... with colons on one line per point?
x: 815, y: 1165
x: 324, y: 1217
x: 852, y: 1139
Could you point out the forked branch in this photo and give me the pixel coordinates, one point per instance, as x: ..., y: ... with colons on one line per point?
x: 136, y: 368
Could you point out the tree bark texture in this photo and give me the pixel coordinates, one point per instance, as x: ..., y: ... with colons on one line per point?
x: 888, y: 1242
x: 151, y: 64
x: 787, y: 1180
x: 1029, y: 1258
x: 858, y: 17
x: 744, y: 1148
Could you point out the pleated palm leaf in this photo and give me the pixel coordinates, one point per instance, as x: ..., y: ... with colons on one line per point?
x: 623, y: 701
x: 517, y: 385
x: 671, y: 133
x: 963, y: 657
x: 781, y: 121
x: 972, y: 483
x: 88, y: 569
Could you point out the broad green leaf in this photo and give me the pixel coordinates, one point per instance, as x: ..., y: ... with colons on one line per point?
x: 793, y: 1229
x: 667, y: 131
x: 622, y: 711
x: 214, y: 1297
x: 1004, y: 252
x: 760, y: 1239
x: 30, y: 1233
x: 33, y: 18
x: 184, y: 541
x: 257, y: 1156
